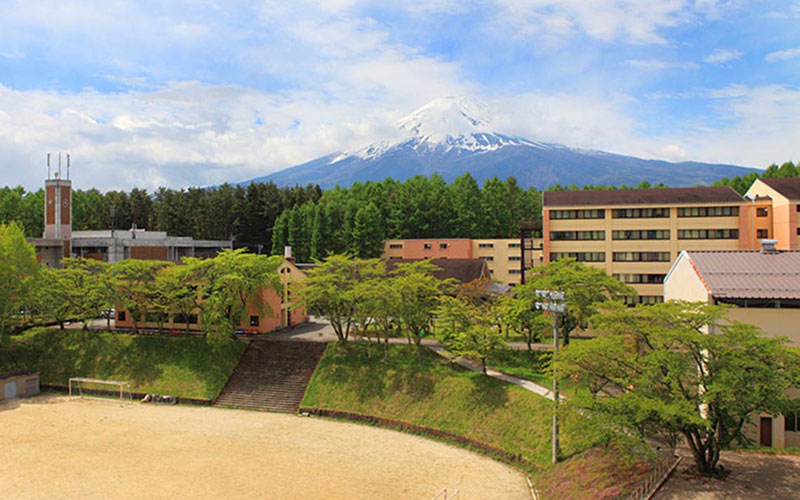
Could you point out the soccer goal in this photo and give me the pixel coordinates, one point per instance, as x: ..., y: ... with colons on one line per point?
x: 80, y: 386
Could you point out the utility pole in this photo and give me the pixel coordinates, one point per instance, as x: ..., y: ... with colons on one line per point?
x: 554, y: 302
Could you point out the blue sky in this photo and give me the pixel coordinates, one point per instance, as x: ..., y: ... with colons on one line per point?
x: 176, y: 93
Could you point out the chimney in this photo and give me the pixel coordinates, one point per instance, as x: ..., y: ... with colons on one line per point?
x: 287, y: 253
x: 768, y: 246
x: 133, y: 231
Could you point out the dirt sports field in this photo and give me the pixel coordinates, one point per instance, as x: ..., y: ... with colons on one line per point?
x: 56, y: 448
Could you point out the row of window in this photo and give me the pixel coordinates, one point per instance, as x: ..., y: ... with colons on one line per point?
x: 579, y: 256
x: 157, y: 317
x: 646, y: 213
x: 444, y: 246
x: 577, y: 235
x: 640, y: 213
x: 708, y: 211
x: 644, y: 299
x: 577, y: 214
x: 641, y: 234
x: 708, y: 234
x: 616, y: 256
x: 641, y: 278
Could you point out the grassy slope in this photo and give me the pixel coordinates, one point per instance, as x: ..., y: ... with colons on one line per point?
x: 444, y: 397
x: 186, y: 367
x: 603, y: 473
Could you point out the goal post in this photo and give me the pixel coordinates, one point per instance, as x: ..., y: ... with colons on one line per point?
x: 77, y: 386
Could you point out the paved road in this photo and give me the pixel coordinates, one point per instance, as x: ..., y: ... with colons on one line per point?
x: 752, y: 476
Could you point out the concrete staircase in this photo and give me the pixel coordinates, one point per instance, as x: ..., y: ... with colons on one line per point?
x: 272, y: 375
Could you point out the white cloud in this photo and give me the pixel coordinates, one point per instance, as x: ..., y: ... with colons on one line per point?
x: 720, y: 56
x: 659, y: 65
x: 782, y: 55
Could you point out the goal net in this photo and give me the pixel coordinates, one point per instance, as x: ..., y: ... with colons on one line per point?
x: 81, y: 387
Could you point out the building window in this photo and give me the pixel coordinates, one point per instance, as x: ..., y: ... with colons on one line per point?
x: 514, y: 245
x: 641, y: 256
x: 644, y: 299
x: 577, y: 214
x: 641, y: 234
x: 395, y: 245
x: 253, y: 320
x: 120, y: 315
x: 762, y: 212
x: 443, y: 246
x: 798, y: 231
x: 487, y: 257
x: 577, y: 235
x: 516, y: 258
x: 182, y: 318
x: 708, y: 211
x: 639, y: 213
x: 762, y: 233
x: 394, y: 257
x: 708, y: 234
x: 427, y: 246
x: 514, y: 271
x: 485, y: 245
x: 579, y: 256
x: 646, y: 279
x: 791, y: 422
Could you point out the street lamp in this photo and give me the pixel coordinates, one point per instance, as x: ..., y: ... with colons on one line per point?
x: 554, y: 302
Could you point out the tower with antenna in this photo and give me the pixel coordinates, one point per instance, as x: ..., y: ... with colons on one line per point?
x: 58, y: 200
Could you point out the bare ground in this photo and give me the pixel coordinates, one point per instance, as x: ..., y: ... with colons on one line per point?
x: 56, y: 448
x: 752, y: 476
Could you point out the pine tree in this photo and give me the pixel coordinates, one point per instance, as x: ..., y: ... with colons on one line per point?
x: 368, y: 232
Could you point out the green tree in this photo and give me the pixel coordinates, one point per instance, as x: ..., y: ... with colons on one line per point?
x: 178, y: 287
x: 655, y: 370
x: 332, y: 291
x: 18, y: 268
x: 585, y: 288
x: 133, y: 282
x: 467, y: 208
x: 280, y: 233
x: 469, y: 329
x: 418, y: 292
x: 319, y: 233
x: 230, y: 284
x: 367, y: 232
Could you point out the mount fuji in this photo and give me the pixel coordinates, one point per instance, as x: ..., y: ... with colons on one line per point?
x: 453, y: 135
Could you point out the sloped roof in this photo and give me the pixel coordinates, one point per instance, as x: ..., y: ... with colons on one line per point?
x: 463, y: 270
x: 660, y: 196
x: 749, y: 274
x: 788, y: 187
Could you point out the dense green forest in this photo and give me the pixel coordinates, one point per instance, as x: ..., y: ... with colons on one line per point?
x: 355, y: 219
x: 264, y: 217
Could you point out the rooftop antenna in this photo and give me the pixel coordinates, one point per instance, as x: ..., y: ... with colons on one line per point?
x: 58, y: 174
x: 67, y: 165
x: 48, y: 165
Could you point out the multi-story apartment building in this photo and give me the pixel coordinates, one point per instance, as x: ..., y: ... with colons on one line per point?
x: 504, y: 257
x: 635, y: 234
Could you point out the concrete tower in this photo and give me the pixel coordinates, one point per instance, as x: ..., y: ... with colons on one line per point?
x: 58, y: 205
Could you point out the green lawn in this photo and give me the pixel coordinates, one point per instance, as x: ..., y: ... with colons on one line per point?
x: 188, y: 367
x: 438, y: 395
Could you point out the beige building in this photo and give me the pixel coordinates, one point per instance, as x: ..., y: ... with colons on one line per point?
x: 764, y: 285
x: 503, y: 257
x: 778, y: 203
x: 635, y: 234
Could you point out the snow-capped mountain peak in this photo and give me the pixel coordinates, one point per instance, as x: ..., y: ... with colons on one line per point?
x: 444, y: 124
x: 448, y: 116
